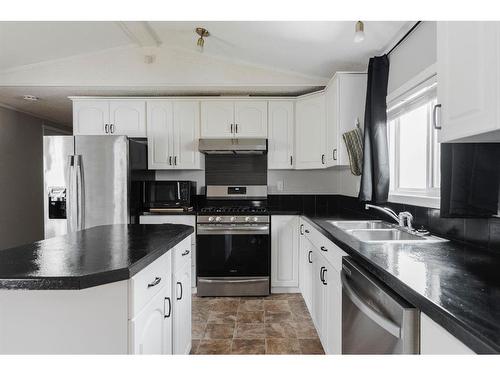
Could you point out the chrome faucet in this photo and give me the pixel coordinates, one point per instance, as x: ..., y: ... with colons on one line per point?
x: 404, y: 219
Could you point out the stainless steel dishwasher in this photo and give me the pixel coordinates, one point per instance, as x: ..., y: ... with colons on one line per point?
x: 375, y: 320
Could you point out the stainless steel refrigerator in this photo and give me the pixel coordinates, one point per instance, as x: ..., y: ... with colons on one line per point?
x: 86, y: 182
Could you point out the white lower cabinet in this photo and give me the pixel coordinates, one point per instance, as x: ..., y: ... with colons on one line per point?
x: 151, y: 330
x: 182, y: 307
x: 284, y: 252
x: 320, y: 263
x: 434, y: 339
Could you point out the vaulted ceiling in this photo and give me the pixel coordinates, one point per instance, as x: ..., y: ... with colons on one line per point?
x: 55, y: 59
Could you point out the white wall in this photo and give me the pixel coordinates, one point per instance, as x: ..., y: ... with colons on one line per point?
x: 21, y: 178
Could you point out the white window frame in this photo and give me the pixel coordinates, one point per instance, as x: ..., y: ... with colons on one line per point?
x: 402, y: 103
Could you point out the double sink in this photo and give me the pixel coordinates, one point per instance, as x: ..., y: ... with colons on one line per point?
x: 376, y: 231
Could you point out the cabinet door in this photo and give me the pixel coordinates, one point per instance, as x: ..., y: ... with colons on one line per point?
x: 333, y: 138
x: 186, y: 134
x: 284, y: 251
x: 182, y: 310
x: 306, y: 271
x: 128, y: 117
x: 217, y: 119
x: 280, y: 135
x: 333, y: 311
x: 90, y: 117
x: 250, y: 117
x: 434, y: 339
x: 310, y: 131
x: 151, y: 329
x: 351, y: 109
x: 317, y: 293
x: 467, y: 55
x: 160, y: 132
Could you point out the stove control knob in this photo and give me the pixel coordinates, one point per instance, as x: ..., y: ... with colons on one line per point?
x: 247, y: 219
x: 233, y: 218
x: 255, y: 218
x: 211, y: 218
x: 218, y: 219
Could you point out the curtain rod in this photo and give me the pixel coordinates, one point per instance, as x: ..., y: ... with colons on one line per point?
x: 404, y: 37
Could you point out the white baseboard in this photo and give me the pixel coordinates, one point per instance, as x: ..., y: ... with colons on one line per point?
x: 284, y: 289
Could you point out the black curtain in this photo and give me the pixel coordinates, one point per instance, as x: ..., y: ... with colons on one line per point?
x: 375, y: 177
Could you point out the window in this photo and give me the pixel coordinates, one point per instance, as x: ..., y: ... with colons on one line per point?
x: 413, y: 148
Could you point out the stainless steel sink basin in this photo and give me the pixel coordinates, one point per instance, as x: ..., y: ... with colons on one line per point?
x: 377, y: 231
x: 393, y: 235
x: 361, y: 224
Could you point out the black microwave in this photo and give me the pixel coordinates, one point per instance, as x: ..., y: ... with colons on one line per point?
x: 169, y: 194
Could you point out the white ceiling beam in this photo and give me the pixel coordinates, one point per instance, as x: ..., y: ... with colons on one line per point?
x: 140, y: 33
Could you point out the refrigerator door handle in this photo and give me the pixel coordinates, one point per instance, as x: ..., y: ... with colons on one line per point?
x: 80, y: 188
x: 71, y: 193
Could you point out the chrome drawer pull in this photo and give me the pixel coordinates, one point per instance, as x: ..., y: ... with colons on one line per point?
x: 323, y: 248
x: 185, y: 253
x: 155, y: 282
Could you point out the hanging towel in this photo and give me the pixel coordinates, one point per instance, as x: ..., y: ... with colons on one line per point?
x: 375, y: 176
x: 470, y: 179
x: 354, y: 143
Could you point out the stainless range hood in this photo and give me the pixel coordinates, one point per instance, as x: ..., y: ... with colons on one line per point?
x: 233, y: 146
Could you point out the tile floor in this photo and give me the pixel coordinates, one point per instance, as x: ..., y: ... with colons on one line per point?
x: 277, y: 324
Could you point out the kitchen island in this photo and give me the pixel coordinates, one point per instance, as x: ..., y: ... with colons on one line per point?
x: 113, y: 289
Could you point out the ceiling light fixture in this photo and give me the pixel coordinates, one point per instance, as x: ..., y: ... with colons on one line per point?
x: 203, y: 33
x: 359, y: 35
x: 31, y: 98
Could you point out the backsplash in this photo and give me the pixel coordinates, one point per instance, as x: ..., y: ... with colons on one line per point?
x: 480, y: 232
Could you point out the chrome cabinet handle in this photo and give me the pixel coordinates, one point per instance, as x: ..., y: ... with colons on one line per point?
x: 169, y: 160
x: 236, y: 128
x: 321, y: 274
x: 323, y: 159
x: 309, y: 256
x: 175, y: 160
x: 185, y: 253
x: 334, y: 154
x: 435, y: 117
x: 232, y: 125
x: 155, y: 282
x: 323, y: 248
x: 325, y: 270
x: 291, y: 160
x: 374, y: 315
x: 301, y: 230
x: 165, y: 315
x: 180, y: 284
x: 106, y: 128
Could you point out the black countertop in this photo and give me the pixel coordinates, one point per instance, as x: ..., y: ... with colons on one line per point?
x: 456, y: 285
x: 87, y: 258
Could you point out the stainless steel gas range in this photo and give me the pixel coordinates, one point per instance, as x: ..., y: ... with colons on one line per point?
x: 233, y: 242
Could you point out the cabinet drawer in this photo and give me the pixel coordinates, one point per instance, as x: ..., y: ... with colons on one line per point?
x: 145, y: 284
x: 182, y: 254
x: 330, y: 251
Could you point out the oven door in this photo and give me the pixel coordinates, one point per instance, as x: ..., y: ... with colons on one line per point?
x: 233, y: 250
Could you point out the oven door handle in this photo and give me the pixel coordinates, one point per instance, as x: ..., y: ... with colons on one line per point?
x: 226, y: 229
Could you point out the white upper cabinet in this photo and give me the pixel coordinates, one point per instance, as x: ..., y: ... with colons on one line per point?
x: 281, y: 135
x: 186, y: 134
x: 173, y: 133
x: 250, y: 119
x: 160, y: 134
x: 127, y: 117
x: 217, y: 119
x: 234, y: 119
x: 310, y: 132
x: 345, y: 106
x: 90, y: 117
x: 109, y: 117
x: 468, y: 81
x: 284, y: 251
